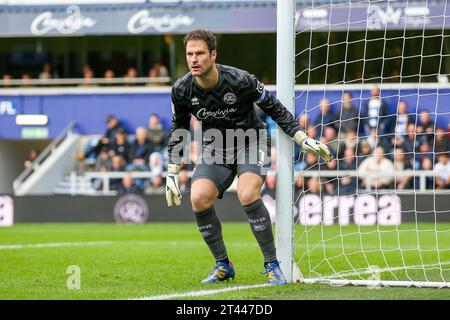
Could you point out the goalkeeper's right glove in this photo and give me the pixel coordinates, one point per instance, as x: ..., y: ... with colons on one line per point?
x: 313, y: 146
x: 173, y: 194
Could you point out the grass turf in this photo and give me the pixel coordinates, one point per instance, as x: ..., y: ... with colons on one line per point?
x: 132, y: 261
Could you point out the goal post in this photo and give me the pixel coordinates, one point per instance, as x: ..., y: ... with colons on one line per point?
x: 286, y: 94
x: 347, y: 223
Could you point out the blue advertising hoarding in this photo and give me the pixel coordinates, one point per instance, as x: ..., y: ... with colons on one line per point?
x: 89, y: 110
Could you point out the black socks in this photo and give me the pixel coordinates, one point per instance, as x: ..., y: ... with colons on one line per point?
x: 211, y: 231
x: 259, y: 219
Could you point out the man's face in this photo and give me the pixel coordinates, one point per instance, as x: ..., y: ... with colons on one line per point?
x: 379, y: 154
x: 402, y: 108
x: 198, y: 57
x: 425, y: 117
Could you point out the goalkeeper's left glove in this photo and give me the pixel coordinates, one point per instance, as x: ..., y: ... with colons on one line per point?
x: 173, y: 193
x: 313, y: 146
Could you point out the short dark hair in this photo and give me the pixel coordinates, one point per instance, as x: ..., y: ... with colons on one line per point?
x: 201, y: 34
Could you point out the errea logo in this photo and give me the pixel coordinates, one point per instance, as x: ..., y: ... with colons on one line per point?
x: 194, y: 101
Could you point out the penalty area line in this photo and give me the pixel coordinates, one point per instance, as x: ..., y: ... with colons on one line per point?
x: 201, y: 293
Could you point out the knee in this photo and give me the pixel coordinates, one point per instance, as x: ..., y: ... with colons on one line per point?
x: 201, y: 200
x: 248, y: 195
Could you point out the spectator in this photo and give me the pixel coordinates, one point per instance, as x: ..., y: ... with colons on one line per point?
x: 157, y: 185
x: 131, y: 73
x: 376, y: 165
x: 303, y: 121
x: 441, y: 142
x: 425, y: 128
x: 403, y: 119
x: 7, y: 78
x: 325, y: 116
x: 130, y: 76
x: 312, y: 132
x: 103, y: 160
x: 397, y: 142
x: 34, y: 153
x: 376, y: 113
x: 112, y: 126
x: 86, y: 69
x: 348, y: 184
x: 331, y: 140
x: 97, y: 183
x: 404, y: 165
x: 300, y: 182
x: 425, y: 151
x: 442, y: 168
x: 374, y: 140
x: 26, y: 80
x: 153, y: 73
x: 184, y: 181
x: 88, y: 76
x: 120, y: 146
x: 313, y: 186
x: 156, y: 164
x: 156, y: 132
x: 351, y: 139
x: 311, y: 162
x: 410, y: 143
x: 46, y: 72
x: 331, y: 183
x: 117, y: 165
x: 158, y: 70
x: 364, y: 151
x: 427, y: 164
x: 109, y: 76
x: 128, y: 185
x: 140, y: 150
x: 347, y: 118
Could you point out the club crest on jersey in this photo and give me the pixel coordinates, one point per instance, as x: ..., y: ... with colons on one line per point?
x: 194, y: 101
x: 229, y: 98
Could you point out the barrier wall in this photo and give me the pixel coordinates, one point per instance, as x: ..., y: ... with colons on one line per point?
x: 370, y: 209
x: 88, y: 108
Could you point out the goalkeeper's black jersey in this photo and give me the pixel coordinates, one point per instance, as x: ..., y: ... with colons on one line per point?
x: 229, y: 105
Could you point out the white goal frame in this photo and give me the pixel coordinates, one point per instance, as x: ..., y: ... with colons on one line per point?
x: 285, y: 89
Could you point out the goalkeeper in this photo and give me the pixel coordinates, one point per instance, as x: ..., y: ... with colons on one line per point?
x: 222, y: 98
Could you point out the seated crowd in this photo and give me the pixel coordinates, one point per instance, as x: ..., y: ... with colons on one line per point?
x: 368, y: 140
x: 376, y: 144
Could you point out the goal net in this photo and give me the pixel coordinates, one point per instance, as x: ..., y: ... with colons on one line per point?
x: 372, y: 83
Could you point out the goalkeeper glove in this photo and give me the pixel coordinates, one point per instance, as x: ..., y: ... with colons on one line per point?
x: 313, y: 146
x: 173, y: 194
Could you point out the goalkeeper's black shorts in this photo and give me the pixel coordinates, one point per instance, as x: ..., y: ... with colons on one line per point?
x: 221, y: 166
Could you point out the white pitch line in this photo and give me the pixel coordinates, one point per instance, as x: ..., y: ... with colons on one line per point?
x: 53, y: 245
x: 389, y: 269
x: 200, y: 293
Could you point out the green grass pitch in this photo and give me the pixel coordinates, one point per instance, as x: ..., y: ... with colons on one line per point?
x: 151, y: 260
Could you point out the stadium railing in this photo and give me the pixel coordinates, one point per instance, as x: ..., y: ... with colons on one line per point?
x: 34, y: 166
x: 84, y: 82
x: 107, y: 176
